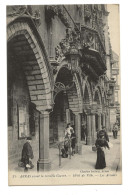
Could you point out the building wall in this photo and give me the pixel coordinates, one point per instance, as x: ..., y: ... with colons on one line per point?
x: 20, y: 106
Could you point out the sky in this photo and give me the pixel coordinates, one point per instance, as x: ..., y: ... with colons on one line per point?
x: 114, y: 30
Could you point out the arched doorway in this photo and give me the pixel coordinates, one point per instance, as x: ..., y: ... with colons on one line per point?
x: 58, y: 117
x: 29, y: 90
x: 66, y: 105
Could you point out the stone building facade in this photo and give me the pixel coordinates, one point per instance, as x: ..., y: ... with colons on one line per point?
x: 59, y: 67
x: 115, y: 74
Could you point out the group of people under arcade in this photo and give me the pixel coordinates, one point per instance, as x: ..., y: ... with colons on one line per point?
x: 102, y: 142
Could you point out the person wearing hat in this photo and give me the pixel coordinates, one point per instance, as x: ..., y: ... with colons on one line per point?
x: 115, y: 130
x: 103, y: 132
x: 68, y: 129
x: 101, y: 144
x: 27, y: 154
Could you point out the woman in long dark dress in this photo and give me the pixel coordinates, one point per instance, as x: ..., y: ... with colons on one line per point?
x: 101, y: 144
x: 73, y: 142
x: 67, y: 145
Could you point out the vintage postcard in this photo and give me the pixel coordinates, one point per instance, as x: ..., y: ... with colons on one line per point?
x: 63, y: 84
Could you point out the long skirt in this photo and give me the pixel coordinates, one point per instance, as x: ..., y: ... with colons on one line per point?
x: 100, y: 163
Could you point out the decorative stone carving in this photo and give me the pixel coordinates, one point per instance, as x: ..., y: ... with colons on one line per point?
x: 61, y: 50
x: 54, y: 69
x: 58, y: 10
x: 58, y: 87
x: 87, y: 13
x: 70, y: 85
x: 71, y: 44
x: 23, y: 10
x: 16, y: 10
x: 90, y: 40
x: 93, y: 86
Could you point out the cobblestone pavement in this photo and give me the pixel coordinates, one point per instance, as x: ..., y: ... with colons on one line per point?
x: 85, y: 161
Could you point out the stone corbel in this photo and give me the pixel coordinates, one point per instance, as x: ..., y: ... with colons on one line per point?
x: 54, y: 65
x: 69, y: 45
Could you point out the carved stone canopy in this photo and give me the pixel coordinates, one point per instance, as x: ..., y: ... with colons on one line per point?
x: 69, y: 45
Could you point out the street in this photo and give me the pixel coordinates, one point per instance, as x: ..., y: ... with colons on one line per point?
x: 86, y: 161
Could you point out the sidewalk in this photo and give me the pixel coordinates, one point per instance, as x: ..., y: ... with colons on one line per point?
x: 88, y: 158
x: 85, y: 161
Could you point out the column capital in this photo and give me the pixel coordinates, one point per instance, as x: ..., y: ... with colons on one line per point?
x: 77, y: 113
x: 99, y: 114
x: 91, y: 113
x: 45, y: 112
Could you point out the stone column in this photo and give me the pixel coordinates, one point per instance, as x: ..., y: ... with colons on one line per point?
x: 78, y: 132
x: 44, y: 163
x: 108, y: 121
x: 104, y: 122
x: 99, y: 121
x: 89, y: 130
x: 93, y: 129
x: 68, y: 120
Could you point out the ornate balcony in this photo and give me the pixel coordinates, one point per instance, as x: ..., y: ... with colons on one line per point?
x: 93, y: 52
x: 91, y: 39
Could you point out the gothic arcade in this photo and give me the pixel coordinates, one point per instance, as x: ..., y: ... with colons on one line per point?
x: 58, y: 72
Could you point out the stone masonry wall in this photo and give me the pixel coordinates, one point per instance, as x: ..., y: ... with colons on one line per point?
x: 15, y: 144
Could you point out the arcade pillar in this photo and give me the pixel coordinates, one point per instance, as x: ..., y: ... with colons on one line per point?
x: 93, y: 129
x: 99, y: 121
x: 89, y: 130
x: 44, y: 163
x: 104, y: 120
x: 78, y: 132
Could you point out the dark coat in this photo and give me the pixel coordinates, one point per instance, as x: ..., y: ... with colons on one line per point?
x: 100, y: 144
x: 73, y: 140
x: 27, y: 153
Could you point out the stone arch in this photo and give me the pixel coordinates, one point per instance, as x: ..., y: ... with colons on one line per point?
x: 75, y: 92
x: 97, y: 96
x: 37, y: 69
x: 100, y: 92
x: 87, y: 90
x: 67, y: 102
x: 63, y: 64
x: 105, y: 98
x: 79, y: 91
